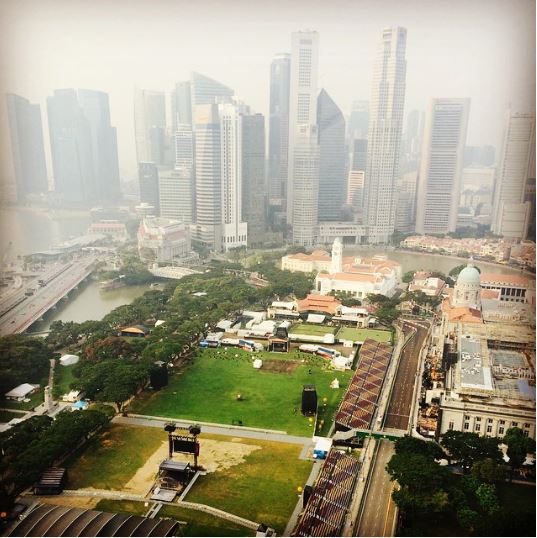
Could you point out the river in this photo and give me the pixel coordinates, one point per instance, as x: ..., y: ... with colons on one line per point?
x: 30, y: 230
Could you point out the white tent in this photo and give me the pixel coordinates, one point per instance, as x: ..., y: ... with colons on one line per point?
x: 258, y: 363
x: 68, y: 360
x: 20, y: 392
x: 315, y: 318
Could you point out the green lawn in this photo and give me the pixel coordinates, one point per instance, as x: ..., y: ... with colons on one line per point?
x: 111, y: 459
x: 6, y: 416
x: 262, y: 489
x: 136, y: 508
x: 63, y: 377
x: 207, y: 391
x: 311, y: 329
x: 359, y: 335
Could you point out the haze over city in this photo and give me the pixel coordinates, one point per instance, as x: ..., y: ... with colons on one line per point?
x: 481, y: 49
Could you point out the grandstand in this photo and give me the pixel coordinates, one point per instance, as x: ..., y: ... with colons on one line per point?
x: 358, y: 405
x: 330, y: 499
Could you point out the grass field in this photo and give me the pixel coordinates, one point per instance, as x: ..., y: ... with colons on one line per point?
x: 35, y: 400
x: 63, y: 377
x: 111, y: 459
x: 6, y: 416
x: 359, y: 335
x: 262, y: 489
x: 207, y: 391
x: 311, y: 329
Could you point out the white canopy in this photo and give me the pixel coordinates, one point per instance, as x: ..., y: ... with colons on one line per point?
x: 67, y: 360
x: 315, y: 318
x: 21, y: 391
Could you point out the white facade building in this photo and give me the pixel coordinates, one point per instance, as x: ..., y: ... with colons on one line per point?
x: 384, y: 139
x: 163, y: 240
x: 176, y: 195
x: 149, y: 125
x: 302, y: 101
x: 510, y: 214
x: 441, y: 165
x: 467, y: 292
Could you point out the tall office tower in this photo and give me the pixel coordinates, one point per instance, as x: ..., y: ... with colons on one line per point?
x: 359, y: 154
x: 331, y: 126
x: 71, y: 148
x: 413, y: 133
x: 306, y: 186
x: 149, y: 185
x: 27, y: 149
x: 302, y: 107
x: 96, y: 109
x: 405, y: 213
x: 280, y: 70
x: 253, y: 177
x: 184, y: 146
x: 234, y: 228
x: 176, y: 194
x: 510, y: 214
x: 358, y: 120
x: 181, y: 104
x: 355, y: 190
x: 442, y: 158
x: 384, y: 138
x: 206, y: 91
x: 150, y: 125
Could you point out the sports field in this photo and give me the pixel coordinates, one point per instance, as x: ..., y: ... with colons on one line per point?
x: 359, y: 335
x: 311, y: 329
x: 207, y: 390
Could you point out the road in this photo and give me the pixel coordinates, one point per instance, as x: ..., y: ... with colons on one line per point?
x: 400, y: 405
x: 379, y: 513
x: 218, y: 429
x: 62, y: 280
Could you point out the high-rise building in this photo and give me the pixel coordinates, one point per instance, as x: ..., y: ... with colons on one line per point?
x: 253, y: 177
x: 149, y: 185
x: 279, y: 129
x: 27, y: 149
x: 510, y: 215
x: 331, y: 126
x: 176, y: 195
x: 384, y: 138
x: 96, y: 109
x: 405, y: 213
x: 355, y: 190
x: 306, y: 185
x: 208, y: 176
x: 442, y: 158
x: 302, y: 112
x: 150, y: 125
x: 181, y: 104
x: 359, y: 154
x: 206, y: 91
x: 413, y: 133
x: 184, y: 146
x: 358, y: 120
x: 71, y: 148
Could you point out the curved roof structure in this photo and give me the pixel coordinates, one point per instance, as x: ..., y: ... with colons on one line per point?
x: 53, y: 520
x: 469, y: 275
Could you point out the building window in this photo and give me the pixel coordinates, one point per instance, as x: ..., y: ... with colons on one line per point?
x: 526, y: 425
x: 489, y: 421
x: 466, y: 417
x: 502, y: 421
x: 500, y: 431
x: 450, y: 426
x: 489, y: 429
x: 478, y: 419
x: 514, y: 424
x: 466, y: 425
x: 478, y: 427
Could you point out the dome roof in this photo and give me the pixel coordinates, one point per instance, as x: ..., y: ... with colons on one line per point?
x: 469, y: 275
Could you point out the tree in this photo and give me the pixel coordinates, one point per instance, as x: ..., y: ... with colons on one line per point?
x: 409, y: 444
x: 417, y: 472
x: 468, y: 519
x: 468, y: 447
x: 518, y: 446
x: 489, y: 471
x: 488, y: 500
x: 408, y: 277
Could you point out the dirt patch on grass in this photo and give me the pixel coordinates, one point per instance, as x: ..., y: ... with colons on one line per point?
x: 286, y: 367
x: 215, y: 455
x: 142, y: 481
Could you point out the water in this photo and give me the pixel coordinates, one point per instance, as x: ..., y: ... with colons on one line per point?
x: 89, y: 302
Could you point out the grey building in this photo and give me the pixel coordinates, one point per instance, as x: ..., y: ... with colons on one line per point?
x: 205, y: 90
x: 26, y: 136
x: 176, y: 195
x: 181, y: 104
x: 358, y: 120
x: 71, y: 148
x: 150, y: 126
x: 253, y: 177
x: 331, y: 125
x: 148, y: 179
x: 279, y: 129
x: 359, y: 154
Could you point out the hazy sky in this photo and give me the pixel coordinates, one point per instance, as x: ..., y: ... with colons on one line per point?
x: 482, y: 49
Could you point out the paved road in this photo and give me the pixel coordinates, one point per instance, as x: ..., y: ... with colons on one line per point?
x: 219, y: 429
x: 399, y: 408
x: 62, y: 280
x: 379, y: 513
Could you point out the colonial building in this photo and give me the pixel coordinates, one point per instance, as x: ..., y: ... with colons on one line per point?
x: 163, y: 240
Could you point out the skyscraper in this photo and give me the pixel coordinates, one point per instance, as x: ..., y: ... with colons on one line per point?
x: 302, y: 112
x: 442, y: 158
x: 26, y: 136
x: 279, y: 129
x: 358, y: 120
x: 96, y: 109
x: 359, y: 155
x: 149, y: 185
x: 253, y: 177
x: 331, y: 126
x: 150, y: 125
x: 176, y: 194
x: 71, y: 148
x: 181, y: 104
x: 306, y: 185
x: 205, y: 90
x: 384, y: 138
x: 510, y: 214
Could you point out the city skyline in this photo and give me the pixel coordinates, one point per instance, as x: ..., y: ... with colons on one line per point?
x: 450, y: 62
